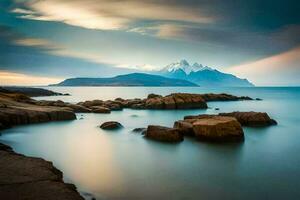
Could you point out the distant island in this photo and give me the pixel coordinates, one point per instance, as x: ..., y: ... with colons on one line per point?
x: 175, y: 74
x: 133, y: 79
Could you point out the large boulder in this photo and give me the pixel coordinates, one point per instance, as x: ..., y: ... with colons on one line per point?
x: 188, y: 101
x: 218, y: 129
x: 252, y: 118
x: 110, y: 125
x: 163, y: 134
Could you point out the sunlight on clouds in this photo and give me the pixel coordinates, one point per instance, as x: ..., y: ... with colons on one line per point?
x: 282, y: 69
x: 10, y: 78
x: 108, y: 15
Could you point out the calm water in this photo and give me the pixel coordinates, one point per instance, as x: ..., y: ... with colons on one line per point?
x: 124, y: 165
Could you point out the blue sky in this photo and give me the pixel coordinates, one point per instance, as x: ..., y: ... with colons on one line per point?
x: 51, y: 40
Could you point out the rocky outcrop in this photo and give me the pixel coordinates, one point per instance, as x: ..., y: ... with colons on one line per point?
x: 244, y: 118
x: 111, y: 125
x: 17, y: 111
x: 163, y: 134
x: 252, y: 118
x: 29, y: 91
x: 223, y: 97
x: 23, y: 177
x: 172, y: 101
x: 218, y: 129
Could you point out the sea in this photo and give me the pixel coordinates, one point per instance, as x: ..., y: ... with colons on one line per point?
x: 122, y: 164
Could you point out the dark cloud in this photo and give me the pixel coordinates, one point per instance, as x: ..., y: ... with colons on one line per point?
x: 37, y: 60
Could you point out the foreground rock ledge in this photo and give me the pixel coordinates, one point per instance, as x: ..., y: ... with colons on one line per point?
x: 23, y: 177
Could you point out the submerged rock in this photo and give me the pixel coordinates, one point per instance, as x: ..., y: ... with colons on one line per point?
x: 140, y: 130
x: 252, y: 118
x: 218, y: 129
x: 163, y: 134
x: 110, y: 125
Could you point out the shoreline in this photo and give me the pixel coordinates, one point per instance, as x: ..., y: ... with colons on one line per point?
x: 24, y: 177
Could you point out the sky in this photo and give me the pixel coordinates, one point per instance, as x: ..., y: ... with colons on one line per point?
x: 45, y: 41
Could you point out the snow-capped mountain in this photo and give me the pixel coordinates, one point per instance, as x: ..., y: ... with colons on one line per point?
x: 202, y: 75
x: 185, y: 67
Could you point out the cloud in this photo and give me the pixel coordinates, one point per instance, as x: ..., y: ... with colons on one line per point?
x: 109, y: 14
x: 281, y: 69
x: 10, y: 78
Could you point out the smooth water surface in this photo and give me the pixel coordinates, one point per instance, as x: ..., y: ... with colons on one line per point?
x: 124, y: 165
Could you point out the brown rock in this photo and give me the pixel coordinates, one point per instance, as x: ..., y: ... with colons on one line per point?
x: 155, y: 103
x: 218, y: 129
x: 185, y: 127
x: 100, y: 109
x: 153, y: 96
x: 252, y: 118
x: 24, y: 177
x: 164, y: 134
x: 79, y: 108
x: 110, y: 125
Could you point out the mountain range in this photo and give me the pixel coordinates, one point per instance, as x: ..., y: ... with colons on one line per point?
x: 175, y: 74
x: 202, y: 75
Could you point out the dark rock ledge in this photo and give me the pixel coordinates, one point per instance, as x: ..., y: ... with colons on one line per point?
x: 23, y: 177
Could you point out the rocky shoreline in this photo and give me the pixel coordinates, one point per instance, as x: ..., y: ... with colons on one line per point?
x: 23, y: 177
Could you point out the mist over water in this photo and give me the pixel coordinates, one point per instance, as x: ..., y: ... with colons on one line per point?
x: 124, y: 165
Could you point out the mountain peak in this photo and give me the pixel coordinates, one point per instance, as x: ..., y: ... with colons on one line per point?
x: 185, y: 67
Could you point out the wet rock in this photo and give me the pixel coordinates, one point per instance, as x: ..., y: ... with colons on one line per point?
x: 153, y: 96
x: 79, y: 108
x: 223, y: 97
x: 163, y: 134
x: 258, y: 99
x: 140, y: 130
x: 217, y: 108
x: 155, y: 103
x: 100, y: 109
x: 24, y: 177
x: 218, y: 129
x: 251, y: 118
x: 110, y: 125
x: 185, y: 127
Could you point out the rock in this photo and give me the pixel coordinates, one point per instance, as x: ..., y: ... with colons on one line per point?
x: 251, y: 118
x: 111, y: 125
x: 258, y: 99
x: 79, y: 108
x: 223, y: 97
x: 218, y: 129
x: 140, y: 130
x: 155, y: 103
x: 24, y: 177
x: 185, y: 127
x: 217, y: 108
x: 188, y: 101
x: 163, y: 134
x: 169, y: 102
x: 100, y: 109
x: 153, y: 96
